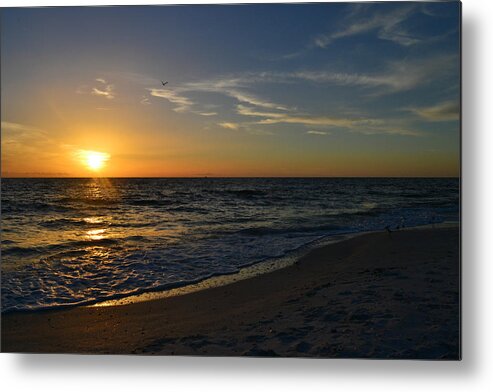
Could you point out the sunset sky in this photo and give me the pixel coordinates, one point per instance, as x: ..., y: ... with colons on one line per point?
x: 257, y: 90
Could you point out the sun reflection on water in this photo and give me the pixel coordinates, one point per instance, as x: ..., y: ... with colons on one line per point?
x: 96, y: 234
x: 94, y: 220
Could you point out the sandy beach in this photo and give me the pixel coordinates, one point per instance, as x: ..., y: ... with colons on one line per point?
x: 378, y: 295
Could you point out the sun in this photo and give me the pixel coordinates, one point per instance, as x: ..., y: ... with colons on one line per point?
x: 94, y: 160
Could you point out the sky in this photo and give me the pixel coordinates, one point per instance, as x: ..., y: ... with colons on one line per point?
x: 298, y: 90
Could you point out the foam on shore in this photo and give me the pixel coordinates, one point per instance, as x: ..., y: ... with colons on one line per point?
x: 250, y: 271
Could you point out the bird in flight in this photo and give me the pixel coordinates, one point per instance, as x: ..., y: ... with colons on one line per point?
x: 164, y: 83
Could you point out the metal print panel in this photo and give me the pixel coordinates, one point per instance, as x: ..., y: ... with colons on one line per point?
x: 250, y: 180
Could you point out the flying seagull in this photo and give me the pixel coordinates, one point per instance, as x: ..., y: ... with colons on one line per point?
x: 164, y: 83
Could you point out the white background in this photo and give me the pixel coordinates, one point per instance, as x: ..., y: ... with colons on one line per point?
x: 473, y: 373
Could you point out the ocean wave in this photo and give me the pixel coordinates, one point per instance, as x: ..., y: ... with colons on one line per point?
x: 22, y: 251
x: 10, y: 206
x: 89, y: 201
x: 260, y: 231
x: 59, y: 247
x: 165, y: 201
x: 94, y: 242
x: 157, y: 234
x: 239, y: 193
x: 63, y: 223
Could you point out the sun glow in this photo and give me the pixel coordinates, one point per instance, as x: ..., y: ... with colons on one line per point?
x: 94, y: 160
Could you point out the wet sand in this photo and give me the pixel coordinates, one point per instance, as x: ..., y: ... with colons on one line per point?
x: 378, y: 295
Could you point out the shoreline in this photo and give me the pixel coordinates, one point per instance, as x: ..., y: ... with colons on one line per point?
x: 221, y: 279
x: 246, y: 271
x: 323, y: 294
x: 252, y: 270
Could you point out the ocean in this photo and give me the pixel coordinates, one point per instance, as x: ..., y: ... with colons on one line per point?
x: 80, y: 241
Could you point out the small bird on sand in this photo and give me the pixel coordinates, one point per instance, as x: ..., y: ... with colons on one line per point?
x: 388, y: 229
x: 164, y: 83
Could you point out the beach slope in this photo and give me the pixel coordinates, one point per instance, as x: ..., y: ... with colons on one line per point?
x: 378, y: 295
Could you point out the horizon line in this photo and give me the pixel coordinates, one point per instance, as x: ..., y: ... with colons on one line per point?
x: 212, y: 177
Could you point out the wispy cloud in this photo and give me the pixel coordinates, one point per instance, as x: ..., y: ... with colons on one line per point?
x: 368, y: 126
x: 145, y: 100
x: 317, y: 133
x: 105, y: 89
x: 235, y: 88
x: 107, y: 92
x: 248, y: 111
x: 396, y: 76
x: 388, y: 26
x: 182, y: 103
x: 20, y: 141
x: 251, y: 128
x: 253, y: 100
x: 20, y: 128
x: 444, y: 111
x: 229, y: 125
x: 23, y: 139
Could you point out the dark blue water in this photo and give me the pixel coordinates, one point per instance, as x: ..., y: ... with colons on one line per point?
x: 73, y: 241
